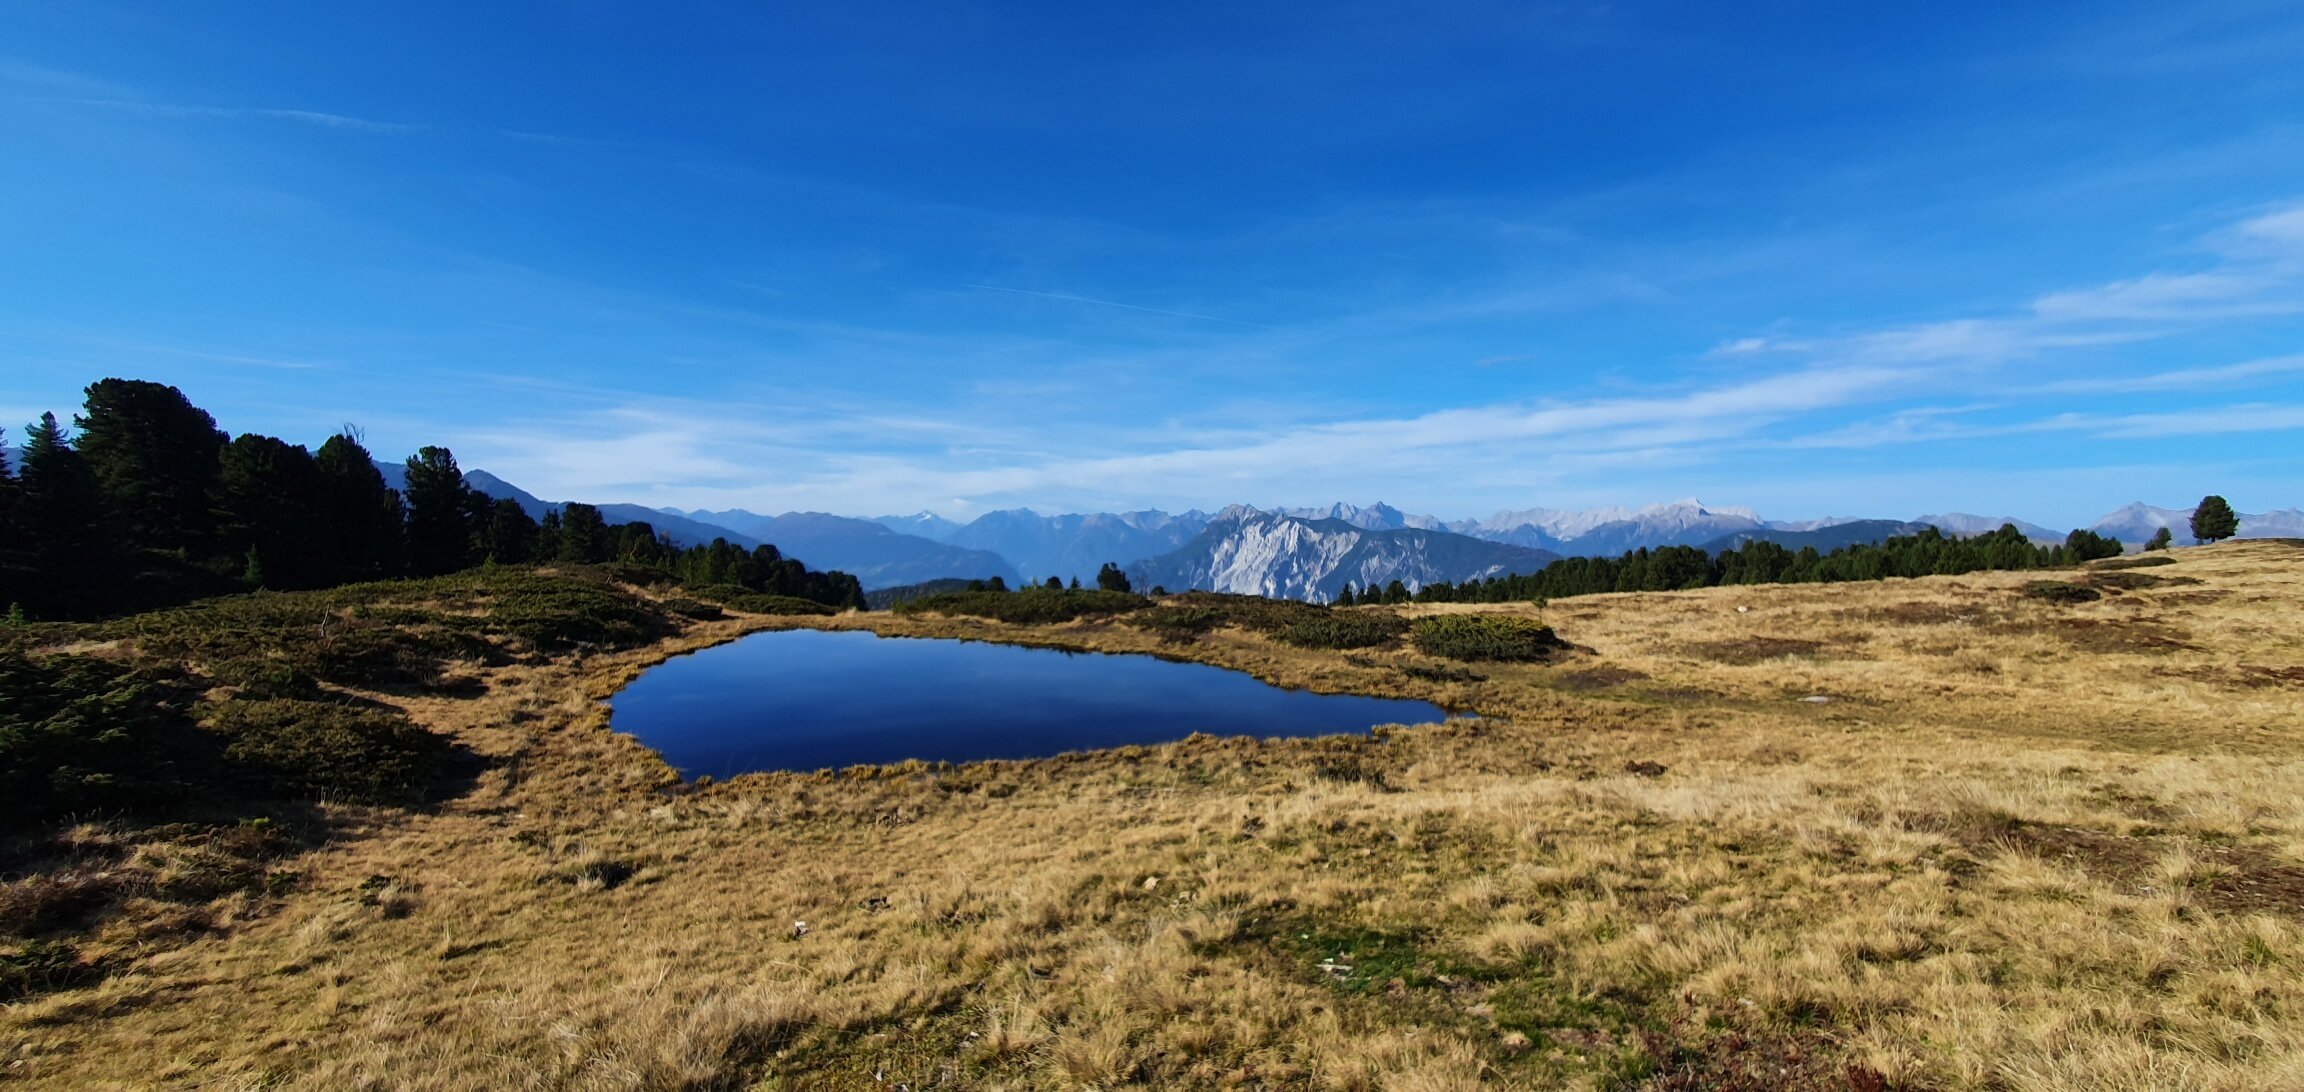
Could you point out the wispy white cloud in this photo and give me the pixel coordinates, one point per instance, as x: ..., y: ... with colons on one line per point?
x: 1110, y: 303
x: 2182, y: 379
x: 245, y: 113
x: 2212, y: 421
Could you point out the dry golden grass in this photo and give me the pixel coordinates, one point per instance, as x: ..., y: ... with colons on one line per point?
x: 2019, y: 844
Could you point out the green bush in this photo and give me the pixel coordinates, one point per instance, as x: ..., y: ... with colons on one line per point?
x: 1345, y: 630
x: 1031, y: 606
x: 1250, y: 612
x: 692, y: 608
x: 2057, y: 591
x: 325, y: 751
x: 1178, y: 623
x: 40, y: 966
x: 1485, y: 637
x: 79, y: 734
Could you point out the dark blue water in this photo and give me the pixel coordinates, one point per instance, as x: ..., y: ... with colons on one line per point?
x: 807, y: 700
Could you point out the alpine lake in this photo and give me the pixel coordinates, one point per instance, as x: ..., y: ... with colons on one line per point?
x: 805, y: 699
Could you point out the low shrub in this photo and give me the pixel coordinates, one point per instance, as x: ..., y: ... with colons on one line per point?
x: 2057, y: 591
x: 1485, y: 637
x: 81, y: 734
x: 1345, y: 630
x: 324, y: 751
x: 1178, y: 623
x: 40, y: 966
x: 2149, y: 561
x: 1031, y: 606
x: 692, y: 608
x: 740, y: 598
x: 1250, y: 612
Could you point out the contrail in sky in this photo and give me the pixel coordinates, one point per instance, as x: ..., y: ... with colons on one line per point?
x: 1109, y: 303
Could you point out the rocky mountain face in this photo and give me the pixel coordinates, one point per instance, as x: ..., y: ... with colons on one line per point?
x: 1252, y: 552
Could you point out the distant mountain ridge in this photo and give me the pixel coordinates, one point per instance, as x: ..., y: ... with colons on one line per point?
x: 874, y: 554
x: 681, y: 530
x: 1252, y: 552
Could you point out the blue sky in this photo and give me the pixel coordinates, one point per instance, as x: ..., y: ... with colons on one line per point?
x: 2037, y: 259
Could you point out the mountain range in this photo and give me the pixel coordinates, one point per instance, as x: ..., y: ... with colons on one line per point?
x: 1304, y: 553
x: 1282, y: 556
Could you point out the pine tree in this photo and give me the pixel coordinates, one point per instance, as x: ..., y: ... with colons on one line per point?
x: 361, y: 523
x: 269, y: 504
x: 439, y: 514
x: 64, y: 554
x: 1344, y: 595
x: 2214, y: 520
x: 153, y: 455
x: 11, y: 567
x: 509, y: 537
x: 1110, y: 578
x: 584, y: 537
x: 2161, y: 539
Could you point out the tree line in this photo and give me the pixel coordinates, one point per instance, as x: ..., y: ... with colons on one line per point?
x: 146, y: 503
x: 1929, y: 552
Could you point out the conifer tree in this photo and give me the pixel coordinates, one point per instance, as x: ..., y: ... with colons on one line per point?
x: 269, y: 500
x: 2161, y: 539
x: 510, y: 535
x: 64, y: 556
x: 11, y: 538
x: 2214, y: 520
x: 360, y: 519
x: 439, y: 514
x: 153, y: 455
x: 1110, y: 578
x: 584, y: 535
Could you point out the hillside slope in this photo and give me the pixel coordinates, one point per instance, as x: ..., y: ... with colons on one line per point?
x: 1947, y: 833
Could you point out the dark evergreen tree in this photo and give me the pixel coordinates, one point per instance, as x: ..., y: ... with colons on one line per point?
x: 439, y: 514
x: 361, y: 523
x: 12, y: 568
x: 269, y: 502
x: 1344, y: 595
x: 584, y: 536
x: 154, y: 458
x: 64, y: 559
x: 2214, y: 520
x: 1110, y: 578
x: 548, y: 542
x: 509, y: 538
x: 2084, y: 545
x: 2161, y: 539
x: 1055, y: 583
x: 996, y: 584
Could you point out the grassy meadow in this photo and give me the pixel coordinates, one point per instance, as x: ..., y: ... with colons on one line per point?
x: 1967, y: 832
